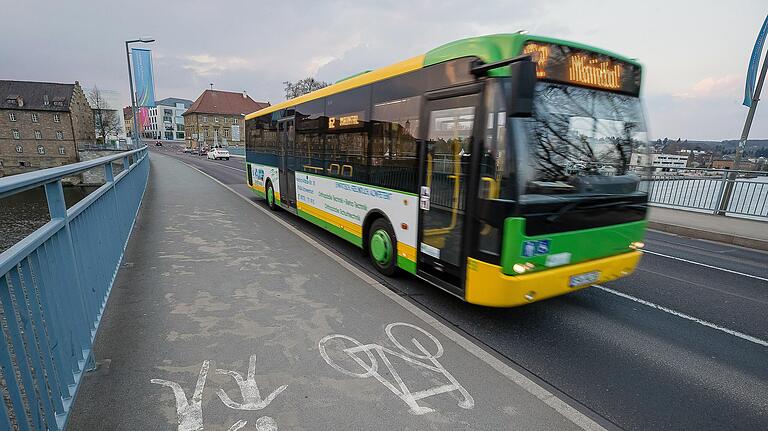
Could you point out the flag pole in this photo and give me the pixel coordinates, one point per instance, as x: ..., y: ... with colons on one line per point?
x: 755, y: 97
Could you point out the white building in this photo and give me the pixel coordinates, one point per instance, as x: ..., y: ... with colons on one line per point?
x: 165, y: 120
x: 661, y: 161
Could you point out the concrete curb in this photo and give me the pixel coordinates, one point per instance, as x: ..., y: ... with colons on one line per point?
x: 753, y: 243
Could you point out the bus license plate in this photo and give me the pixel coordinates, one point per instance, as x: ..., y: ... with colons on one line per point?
x: 582, y: 279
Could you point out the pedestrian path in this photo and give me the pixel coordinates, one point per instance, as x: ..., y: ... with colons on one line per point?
x: 223, y: 318
x: 731, y: 230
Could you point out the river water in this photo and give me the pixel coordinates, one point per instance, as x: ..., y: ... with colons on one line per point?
x: 23, y: 213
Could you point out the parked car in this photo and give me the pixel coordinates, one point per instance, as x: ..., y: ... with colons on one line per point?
x: 158, y: 144
x: 218, y: 153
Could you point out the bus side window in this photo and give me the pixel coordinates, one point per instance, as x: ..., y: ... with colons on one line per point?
x: 394, y: 149
x: 309, y: 138
x: 347, y: 133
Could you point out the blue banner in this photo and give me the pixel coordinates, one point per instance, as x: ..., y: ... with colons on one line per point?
x: 754, y: 64
x: 142, y: 77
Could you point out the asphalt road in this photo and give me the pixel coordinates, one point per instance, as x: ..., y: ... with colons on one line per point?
x: 680, y: 344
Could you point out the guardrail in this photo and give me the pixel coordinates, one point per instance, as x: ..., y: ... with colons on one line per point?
x: 720, y: 191
x: 54, y: 285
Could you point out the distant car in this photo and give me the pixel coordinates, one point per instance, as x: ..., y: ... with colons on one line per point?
x: 158, y: 144
x: 218, y: 153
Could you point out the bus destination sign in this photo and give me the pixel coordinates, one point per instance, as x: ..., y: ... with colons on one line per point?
x: 560, y: 63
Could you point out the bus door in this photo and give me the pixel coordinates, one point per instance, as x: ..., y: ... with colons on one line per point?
x: 286, y: 133
x: 445, y: 167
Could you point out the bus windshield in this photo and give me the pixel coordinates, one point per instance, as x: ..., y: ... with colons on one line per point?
x: 580, y: 141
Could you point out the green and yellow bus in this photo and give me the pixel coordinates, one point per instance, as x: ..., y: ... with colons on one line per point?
x: 495, y: 167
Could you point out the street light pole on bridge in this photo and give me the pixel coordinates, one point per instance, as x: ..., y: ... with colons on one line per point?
x: 133, y: 94
x: 752, y: 99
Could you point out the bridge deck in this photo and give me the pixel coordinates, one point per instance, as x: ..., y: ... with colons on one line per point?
x: 214, y: 291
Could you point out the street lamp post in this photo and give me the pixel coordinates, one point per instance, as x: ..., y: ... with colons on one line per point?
x: 130, y: 81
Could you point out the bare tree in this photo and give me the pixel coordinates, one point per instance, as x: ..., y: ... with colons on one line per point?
x: 303, y: 86
x: 106, y: 120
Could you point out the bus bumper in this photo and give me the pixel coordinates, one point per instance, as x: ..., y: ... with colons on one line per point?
x: 487, y: 285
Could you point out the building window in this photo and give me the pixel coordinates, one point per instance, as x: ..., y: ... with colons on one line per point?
x: 12, y: 116
x: 34, y: 117
x: 38, y: 134
x: 62, y: 151
x: 19, y: 149
x: 226, y: 132
x: 16, y: 134
x: 56, y: 118
x: 46, y: 102
x: 215, y: 119
x: 23, y: 164
x: 40, y: 149
x: 59, y: 135
x: 205, y: 119
x: 1, y: 164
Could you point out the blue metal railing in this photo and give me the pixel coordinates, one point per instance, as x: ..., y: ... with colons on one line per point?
x: 54, y: 285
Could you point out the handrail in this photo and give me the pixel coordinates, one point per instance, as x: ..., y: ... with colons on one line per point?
x: 681, y: 168
x: 54, y: 287
x: 18, y: 183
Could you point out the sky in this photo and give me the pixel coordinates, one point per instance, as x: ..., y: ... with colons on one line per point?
x: 695, y: 53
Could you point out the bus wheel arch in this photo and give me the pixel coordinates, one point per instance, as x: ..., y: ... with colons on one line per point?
x: 380, y: 242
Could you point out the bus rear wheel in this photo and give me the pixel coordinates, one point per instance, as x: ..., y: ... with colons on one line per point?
x: 382, y: 247
x: 271, y: 197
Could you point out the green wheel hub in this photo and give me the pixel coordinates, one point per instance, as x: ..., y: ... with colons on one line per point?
x: 381, y: 247
x: 270, y: 196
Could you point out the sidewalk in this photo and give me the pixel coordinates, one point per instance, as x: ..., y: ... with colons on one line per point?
x: 224, y: 318
x: 730, y: 230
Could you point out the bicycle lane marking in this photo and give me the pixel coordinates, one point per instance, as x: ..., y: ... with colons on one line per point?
x: 414, y: 359
x: 553, y: 401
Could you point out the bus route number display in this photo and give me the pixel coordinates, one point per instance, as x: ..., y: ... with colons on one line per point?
x: 560, y: 63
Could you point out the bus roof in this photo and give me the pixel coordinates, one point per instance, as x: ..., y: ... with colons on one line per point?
x: 489, y: 48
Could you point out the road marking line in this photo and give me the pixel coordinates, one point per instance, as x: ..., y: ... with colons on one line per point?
x: 705, y: 265
x: 229, y: 167
x: 563, y: 408
x: 685, y: 316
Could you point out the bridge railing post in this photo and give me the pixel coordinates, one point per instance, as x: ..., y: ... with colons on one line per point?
x: 724, y: 192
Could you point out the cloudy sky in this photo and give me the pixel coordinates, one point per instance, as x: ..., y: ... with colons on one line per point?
x: 695, y: 52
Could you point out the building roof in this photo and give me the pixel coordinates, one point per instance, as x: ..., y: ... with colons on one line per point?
x: 35, y: 96
x: 172, y: 101
x: 225, y: 102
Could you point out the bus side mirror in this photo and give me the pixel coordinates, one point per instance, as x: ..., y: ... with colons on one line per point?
x: 523, y: 80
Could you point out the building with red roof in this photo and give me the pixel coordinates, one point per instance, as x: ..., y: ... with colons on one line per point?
x: 218, y: 118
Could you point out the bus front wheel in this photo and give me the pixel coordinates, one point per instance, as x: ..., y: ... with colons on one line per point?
x: 271, y: 197
x: 382, y: 247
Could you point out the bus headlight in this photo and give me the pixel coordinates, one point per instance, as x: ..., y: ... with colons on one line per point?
x: 522, y: 267
x: 637, y: 245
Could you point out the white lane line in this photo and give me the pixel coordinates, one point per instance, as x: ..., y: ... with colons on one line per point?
x: 229, y: 167
x: 705, y: 265
x: 685, y: 316
x: 553, y: 401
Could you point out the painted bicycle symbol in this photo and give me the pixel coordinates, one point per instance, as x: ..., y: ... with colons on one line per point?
x: 343, y: 348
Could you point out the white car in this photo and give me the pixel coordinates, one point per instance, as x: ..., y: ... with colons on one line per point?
x: 218, y: 153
